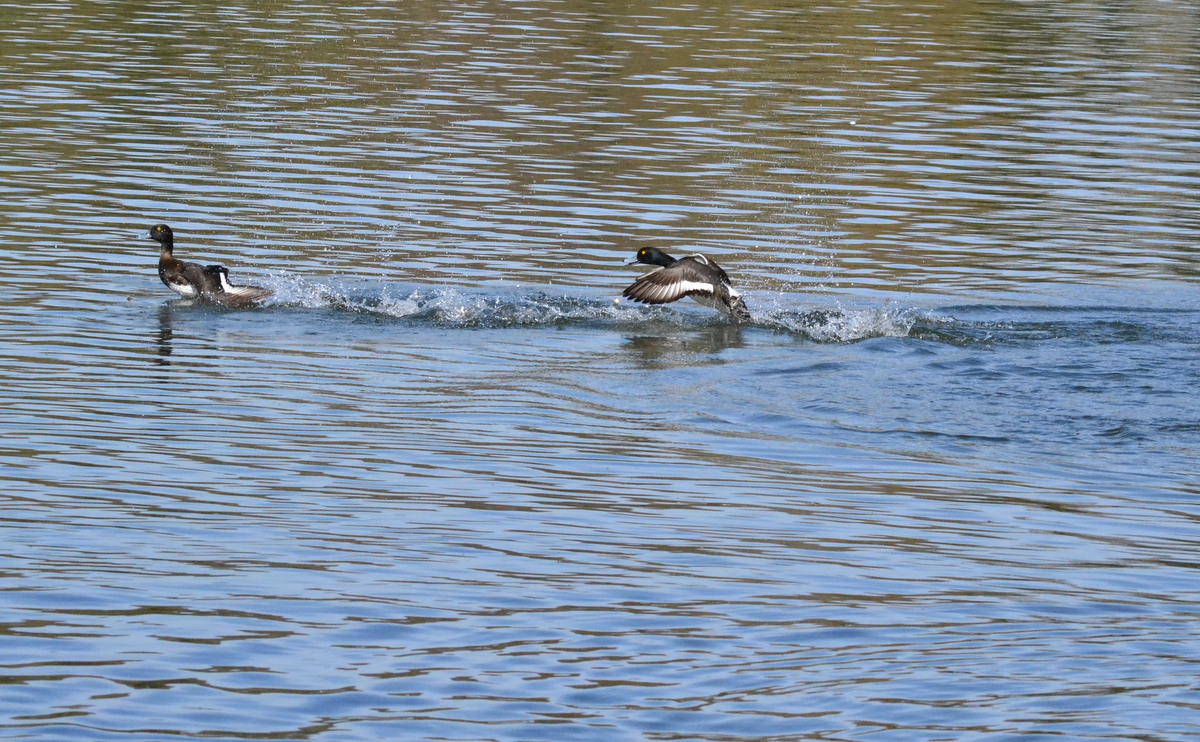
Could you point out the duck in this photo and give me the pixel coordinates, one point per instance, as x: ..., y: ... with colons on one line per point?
x: 194, y: 281
x: 695, y: 276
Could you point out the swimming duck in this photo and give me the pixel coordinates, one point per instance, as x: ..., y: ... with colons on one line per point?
x: 695, y: 276
x: 193, y: 281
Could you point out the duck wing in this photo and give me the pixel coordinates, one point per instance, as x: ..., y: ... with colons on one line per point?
x: 198, y: 277
x: 230, y: 295
x: 702, y: 260
x: 248, y: 294
x: 686, y: 277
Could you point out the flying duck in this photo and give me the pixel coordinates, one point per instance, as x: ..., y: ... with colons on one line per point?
x: 695, y: 276
x: 193, y: 281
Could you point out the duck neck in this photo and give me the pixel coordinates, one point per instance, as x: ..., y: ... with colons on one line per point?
x: 659, y: 257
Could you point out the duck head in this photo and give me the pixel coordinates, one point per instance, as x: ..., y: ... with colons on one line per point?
x: 161, y: 234
x: 651, y: 256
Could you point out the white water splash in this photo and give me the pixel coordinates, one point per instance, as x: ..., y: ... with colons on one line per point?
x: 839, y: 324
x: 485, y: 307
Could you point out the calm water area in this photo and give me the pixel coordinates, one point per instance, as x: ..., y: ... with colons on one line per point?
x: 446, y: 485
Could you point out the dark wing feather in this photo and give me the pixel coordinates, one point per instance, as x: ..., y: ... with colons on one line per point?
x: 702, y: 260
x: 198, y: 275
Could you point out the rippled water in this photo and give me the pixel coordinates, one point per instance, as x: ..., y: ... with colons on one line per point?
x: 443, y: 486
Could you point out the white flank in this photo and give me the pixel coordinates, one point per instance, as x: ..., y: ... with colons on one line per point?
x: 184, y: 289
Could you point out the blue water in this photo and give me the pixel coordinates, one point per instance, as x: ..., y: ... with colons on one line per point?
x: 446, y: 484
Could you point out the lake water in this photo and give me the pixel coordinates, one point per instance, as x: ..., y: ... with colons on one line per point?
x: 443, y: 486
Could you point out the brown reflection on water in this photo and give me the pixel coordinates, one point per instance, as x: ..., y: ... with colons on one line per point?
x: 969, y: 147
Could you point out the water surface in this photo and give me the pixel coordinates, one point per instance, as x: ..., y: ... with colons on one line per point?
x: 444, y: 487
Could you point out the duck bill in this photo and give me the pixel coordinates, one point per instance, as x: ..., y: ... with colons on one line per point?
x: 631, y: 261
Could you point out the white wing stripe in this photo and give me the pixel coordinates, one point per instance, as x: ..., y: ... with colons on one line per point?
x: 685, y: 287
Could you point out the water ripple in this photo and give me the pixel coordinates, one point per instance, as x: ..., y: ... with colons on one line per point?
x: 443, y: 486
